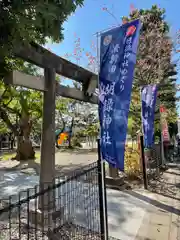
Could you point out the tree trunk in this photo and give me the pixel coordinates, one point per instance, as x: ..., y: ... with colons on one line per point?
x: 25, y: 149
x: 70, y: 133
x: 69, y: 141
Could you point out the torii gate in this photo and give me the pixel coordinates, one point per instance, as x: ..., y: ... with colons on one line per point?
x: 53, y: 64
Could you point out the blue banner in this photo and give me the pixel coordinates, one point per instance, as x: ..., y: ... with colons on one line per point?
x: 117, y: 61
x: 148, y: 96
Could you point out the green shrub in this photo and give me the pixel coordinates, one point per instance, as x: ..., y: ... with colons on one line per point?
x: 132, y: 162
x: 76, y: 142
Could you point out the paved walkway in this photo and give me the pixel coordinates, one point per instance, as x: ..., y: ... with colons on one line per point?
x: 163, y: 221
x: 157, y: 213
x: 125, y: 212
x: 132, y: 214
x: 66, y: 162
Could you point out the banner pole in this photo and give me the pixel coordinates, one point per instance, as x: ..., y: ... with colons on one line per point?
x: 102, y: 195
x: 141, y: 133
x: 161, y: 134
x: 141, y: 112
x: 162, y: 145
x: 143, y: 163
x: 102, y: 169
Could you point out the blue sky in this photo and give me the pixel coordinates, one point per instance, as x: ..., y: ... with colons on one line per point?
x: 91, y: 19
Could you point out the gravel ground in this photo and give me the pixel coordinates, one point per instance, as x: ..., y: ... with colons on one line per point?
x: 65, y: 232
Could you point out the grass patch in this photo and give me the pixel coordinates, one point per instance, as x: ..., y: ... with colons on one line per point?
x: 9, y: 155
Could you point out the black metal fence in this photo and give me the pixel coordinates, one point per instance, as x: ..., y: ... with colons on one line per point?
x: 154, y: 160
x: 69, y: 209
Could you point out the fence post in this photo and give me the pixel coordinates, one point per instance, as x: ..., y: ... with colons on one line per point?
x: 102, y: 195
x: 143, y: 163
x: 158, y: 160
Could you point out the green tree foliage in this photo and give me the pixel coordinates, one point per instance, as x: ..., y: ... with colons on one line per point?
x: 24, y: 22
x: 167, y: 95
x: 33, y: 21
x: 3, y: 127
x: 14, y: 100
x: 19, y: 108
x: 92, y: 130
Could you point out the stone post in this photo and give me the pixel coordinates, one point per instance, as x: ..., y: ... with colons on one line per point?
x: 113, y: 179
x: 43, y: 216
x: 47, y: 170
x: 113, y: 172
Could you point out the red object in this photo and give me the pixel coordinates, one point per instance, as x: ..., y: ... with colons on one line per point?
x: 165, y: 132
x: 131, y: 30
x: 132, y: 8
x: 162, y: 109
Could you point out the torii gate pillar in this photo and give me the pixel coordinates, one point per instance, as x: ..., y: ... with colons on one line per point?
x: 47, y: 171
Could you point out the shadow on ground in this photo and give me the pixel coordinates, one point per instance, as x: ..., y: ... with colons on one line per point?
x: 31, y: 167
x: 125, y: 214
x: 162, y: 186
x: 155, y: 203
